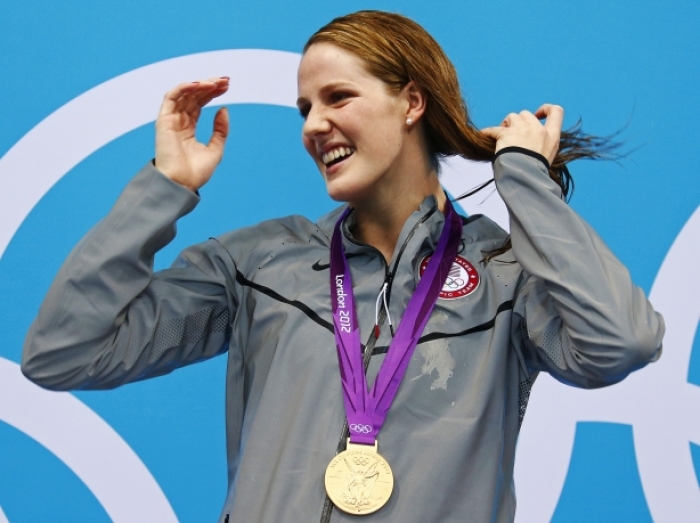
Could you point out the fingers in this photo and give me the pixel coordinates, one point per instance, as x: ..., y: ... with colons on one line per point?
x: 492, y: 132
x: 188, y: 97
x: 553, y: 115
x: 179, y: 155
x: 220, y: 132
x: 546, y: 111
x: 172, y: 97
x: 510, y: 120
x: 525, y: 130
x: 219, y: 87
x: 529, y: 117
x: 213, y: 94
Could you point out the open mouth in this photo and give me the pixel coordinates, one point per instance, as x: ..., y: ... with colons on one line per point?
x: 337, y: 155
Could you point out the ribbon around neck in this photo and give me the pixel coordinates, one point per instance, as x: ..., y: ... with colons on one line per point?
x: 365, y: 409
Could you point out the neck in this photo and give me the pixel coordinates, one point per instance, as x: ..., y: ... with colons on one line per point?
x: 379, y: 222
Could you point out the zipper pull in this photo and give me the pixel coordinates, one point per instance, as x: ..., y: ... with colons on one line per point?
x: 381, y: 300
x: 377, y: 305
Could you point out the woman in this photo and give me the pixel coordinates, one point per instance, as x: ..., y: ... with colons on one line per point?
x: 381, y: 105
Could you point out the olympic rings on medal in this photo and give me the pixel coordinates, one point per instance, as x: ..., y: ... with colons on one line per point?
x: 361, y: 428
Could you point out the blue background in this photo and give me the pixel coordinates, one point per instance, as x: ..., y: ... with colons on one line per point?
x: 624, y: 64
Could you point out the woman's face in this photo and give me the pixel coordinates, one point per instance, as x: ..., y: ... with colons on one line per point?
x: 354, y: 128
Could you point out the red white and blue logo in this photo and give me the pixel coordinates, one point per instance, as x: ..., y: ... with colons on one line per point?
x: 462, y: 280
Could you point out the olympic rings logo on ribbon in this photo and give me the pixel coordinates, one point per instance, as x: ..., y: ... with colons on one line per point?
x: 361, y: 428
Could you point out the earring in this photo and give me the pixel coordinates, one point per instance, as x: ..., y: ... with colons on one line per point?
x: 409, y: 121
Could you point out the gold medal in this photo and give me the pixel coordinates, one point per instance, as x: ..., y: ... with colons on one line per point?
x: 359, y: 480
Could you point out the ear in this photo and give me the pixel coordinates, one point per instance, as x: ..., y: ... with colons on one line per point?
x: 416, y: 101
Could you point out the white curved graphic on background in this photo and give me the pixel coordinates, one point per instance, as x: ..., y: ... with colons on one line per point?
x: 3, y: 517
x: 118, y: 106
x: 668, y: 414
x: 658, y: 402
x: 87, y: 445
x: 459, y: 176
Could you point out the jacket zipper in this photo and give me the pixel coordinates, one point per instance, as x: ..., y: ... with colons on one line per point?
x: 390, y: 277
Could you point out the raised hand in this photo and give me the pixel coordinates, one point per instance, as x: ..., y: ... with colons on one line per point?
x: 179, y: 155
x: 525, y: 130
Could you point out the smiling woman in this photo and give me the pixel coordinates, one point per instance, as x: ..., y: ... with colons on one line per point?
x: 380, y: 104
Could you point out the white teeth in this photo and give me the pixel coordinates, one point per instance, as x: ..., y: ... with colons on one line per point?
x: 336, y: 153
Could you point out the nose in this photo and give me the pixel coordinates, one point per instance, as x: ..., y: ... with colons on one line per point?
x: 316, y: 123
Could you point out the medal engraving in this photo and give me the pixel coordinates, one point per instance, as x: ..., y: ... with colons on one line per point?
x: 358, y: 480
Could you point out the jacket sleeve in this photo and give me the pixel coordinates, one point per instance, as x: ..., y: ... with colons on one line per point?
x: 578, y: 315
x: 108, y: 319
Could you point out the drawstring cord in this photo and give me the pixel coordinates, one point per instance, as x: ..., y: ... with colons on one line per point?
x: 381, y: 298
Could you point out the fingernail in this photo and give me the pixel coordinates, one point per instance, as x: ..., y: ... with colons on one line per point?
x: 225, y: 78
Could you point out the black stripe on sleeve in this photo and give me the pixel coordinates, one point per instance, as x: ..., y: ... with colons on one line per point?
x: 276, y: 296
x: 522, y: 150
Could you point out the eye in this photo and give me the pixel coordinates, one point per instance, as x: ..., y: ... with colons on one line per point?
x: 304, y: 111
x: 339, y: 96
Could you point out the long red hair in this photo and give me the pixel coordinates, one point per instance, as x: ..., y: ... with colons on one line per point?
x: 397, y: 50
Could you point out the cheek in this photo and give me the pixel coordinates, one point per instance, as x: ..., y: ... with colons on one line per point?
x: 388, y: 127
x: 387, y: 137
x: 309, y: 146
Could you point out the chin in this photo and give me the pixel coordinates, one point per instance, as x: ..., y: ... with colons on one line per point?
x: 341, y: 191
x: 338, y: 194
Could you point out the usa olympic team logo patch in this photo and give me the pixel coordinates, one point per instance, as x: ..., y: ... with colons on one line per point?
x: 462, y: 280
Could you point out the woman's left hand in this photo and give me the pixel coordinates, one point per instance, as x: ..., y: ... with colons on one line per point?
x: 525, y: 130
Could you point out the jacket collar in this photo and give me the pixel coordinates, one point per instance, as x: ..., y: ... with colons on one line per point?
x: 426, y: 218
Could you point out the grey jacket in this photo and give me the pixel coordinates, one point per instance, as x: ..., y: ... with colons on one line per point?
x: 559, y: 301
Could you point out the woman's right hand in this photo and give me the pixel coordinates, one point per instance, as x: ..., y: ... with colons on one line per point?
x: 179, y: 155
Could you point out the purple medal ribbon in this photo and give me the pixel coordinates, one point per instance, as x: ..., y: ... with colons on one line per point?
x: 366, y: 410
